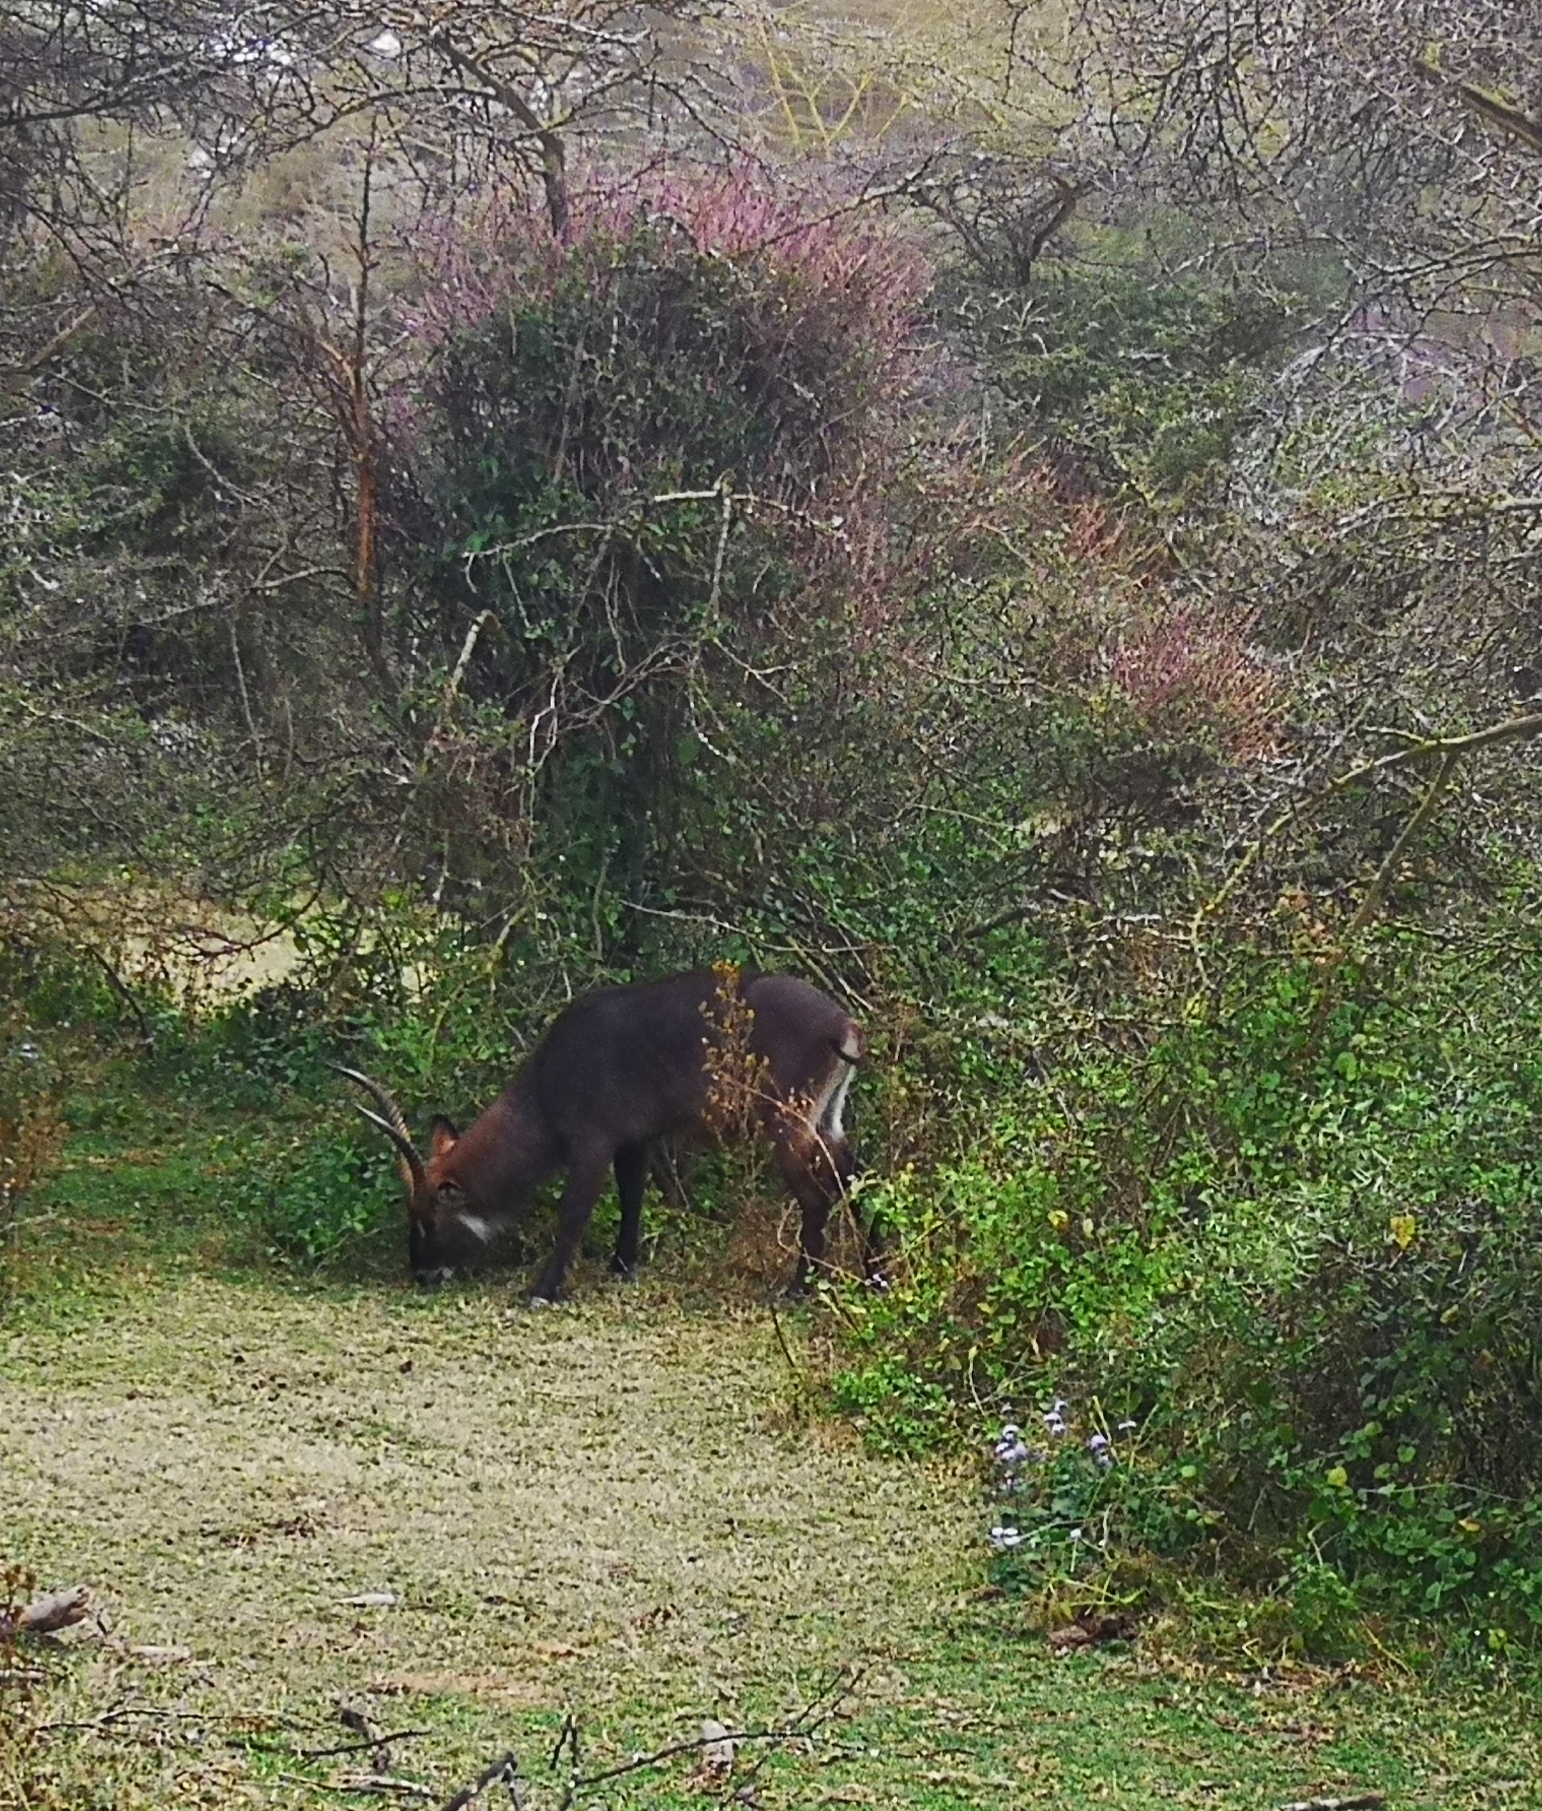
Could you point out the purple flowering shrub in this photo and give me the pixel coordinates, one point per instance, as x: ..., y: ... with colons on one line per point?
x: 683, y: 331
x: 625, y: 467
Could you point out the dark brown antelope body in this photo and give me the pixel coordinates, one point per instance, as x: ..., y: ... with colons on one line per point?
x: 712, y: 1052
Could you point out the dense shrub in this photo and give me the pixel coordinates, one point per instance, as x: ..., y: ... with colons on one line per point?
x: 1145, y: 376
x: 626, y: 466
x: 1307, y: 1266
x: 316, y: 1193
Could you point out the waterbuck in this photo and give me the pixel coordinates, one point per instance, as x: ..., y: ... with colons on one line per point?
x: 719, y: 1052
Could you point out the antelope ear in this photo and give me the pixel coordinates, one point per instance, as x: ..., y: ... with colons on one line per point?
x: 442, y: 1137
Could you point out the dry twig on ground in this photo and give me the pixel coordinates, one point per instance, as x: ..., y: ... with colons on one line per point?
x: 503, y: 1772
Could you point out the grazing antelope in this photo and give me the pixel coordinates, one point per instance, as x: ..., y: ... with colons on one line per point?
x: 718, y: 1052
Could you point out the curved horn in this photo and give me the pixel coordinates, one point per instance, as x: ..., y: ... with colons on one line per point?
x: 392, y: 1124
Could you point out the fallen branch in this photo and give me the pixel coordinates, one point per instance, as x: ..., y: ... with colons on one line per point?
x: 378, y: 1785
x: 716, y: 1741
x: 567, y: 1737
x: 830, y: 1697
x: 126, y: 1713
x: 719, y: 1739
x: 45, y: 1615
x: 382, y: 1784
x: 396, y: 1735
x: 351, y: 1717
x: 1361, y: 1801
x: 503, y: 1772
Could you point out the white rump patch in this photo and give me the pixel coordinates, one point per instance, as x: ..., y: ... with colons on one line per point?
x: 474, y: 1223
x: 851, y: 1045
x: 836, y: 1106
x: 820, y: 1104
x: 830, y: 1103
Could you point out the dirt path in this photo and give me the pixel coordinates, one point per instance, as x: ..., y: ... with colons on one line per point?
x: 607, y: 1506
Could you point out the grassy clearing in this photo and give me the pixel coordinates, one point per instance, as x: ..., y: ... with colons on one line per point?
x: 597, y: 1507
x: 616, y: 1510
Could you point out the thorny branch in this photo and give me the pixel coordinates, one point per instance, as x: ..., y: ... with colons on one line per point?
x: 553, y: 152
x: 1448, y: 749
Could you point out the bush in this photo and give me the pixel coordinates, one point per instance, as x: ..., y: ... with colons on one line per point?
x: 319, y: 1192
x: 1301, y: 1252
x: 619, y: 459
x: 1146, y: 377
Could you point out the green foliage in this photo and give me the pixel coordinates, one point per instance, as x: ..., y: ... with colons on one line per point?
x: 1082, y: 1495
x: 898, y: 1410
x: 156, y: 484
x: 1306, y: 1261
x: 700, y: 628
x: 318, y: 1192
x: 584, y: 425
x: 1148, y: 378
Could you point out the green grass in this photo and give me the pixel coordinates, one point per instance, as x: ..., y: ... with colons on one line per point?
x: 964, y: 1713
x: 148, y: 1189
x: 621, y: 1513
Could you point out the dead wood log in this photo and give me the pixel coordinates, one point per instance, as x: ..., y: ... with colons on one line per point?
x: 1359, y: 1801
x: 47, y: 1614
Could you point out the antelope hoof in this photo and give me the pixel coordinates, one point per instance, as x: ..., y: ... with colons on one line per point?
x: 620, y: 1268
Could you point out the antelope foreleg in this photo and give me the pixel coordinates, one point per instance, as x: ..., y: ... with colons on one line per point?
x: 816, y: 1168
x: 586, y: 1178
